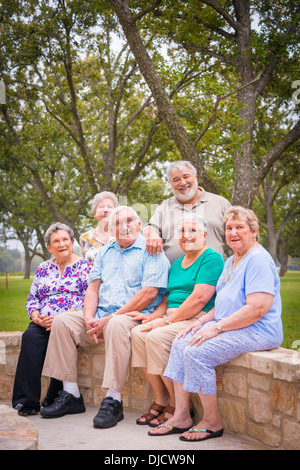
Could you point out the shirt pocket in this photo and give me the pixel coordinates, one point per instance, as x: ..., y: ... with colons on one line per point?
x: 133, y: 272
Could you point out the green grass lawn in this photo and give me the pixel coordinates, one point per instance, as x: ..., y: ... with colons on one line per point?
x: 13, y: 316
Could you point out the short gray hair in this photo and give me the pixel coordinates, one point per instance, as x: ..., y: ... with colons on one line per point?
x: 178, y: 166
x: 192, y: 217
x: 103, y: 195
x: 119, y: 209
x: 54, y: 228
x: 239, y: 212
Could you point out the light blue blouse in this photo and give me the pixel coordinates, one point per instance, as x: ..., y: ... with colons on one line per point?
x: 256, y: 272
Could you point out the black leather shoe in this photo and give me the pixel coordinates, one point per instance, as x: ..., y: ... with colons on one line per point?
x: 24, y: 410
x: 65, y: 404
x: 47, y: 401
x: 109, y: 414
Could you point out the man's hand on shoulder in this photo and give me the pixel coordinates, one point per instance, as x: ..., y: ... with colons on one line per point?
x: 154, y: 242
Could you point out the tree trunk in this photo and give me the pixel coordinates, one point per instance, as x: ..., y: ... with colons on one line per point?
x: 283, y: 258
x: 268, y: 206
x: 27, y: 262
x: 247, y: 97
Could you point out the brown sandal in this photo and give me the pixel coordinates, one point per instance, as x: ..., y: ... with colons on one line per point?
x: 162, y: 419
x: 149, y: 416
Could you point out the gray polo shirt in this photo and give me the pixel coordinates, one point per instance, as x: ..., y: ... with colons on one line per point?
x: 168, y: 215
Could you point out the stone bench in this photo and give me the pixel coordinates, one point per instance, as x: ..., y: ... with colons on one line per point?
x: 258, y: 393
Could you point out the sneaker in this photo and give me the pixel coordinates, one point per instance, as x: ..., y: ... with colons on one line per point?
x: 64, y: 404
x: 109, y: 414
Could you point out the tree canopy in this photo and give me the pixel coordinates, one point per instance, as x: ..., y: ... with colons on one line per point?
x: 101, y: 95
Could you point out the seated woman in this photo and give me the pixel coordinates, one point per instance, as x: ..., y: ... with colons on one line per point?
x: 102, y: 206
x: 246, y: 317
x: 59, y: 285
x: 191, y: 293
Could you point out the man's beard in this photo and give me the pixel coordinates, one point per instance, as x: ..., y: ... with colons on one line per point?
x: 187, y: 196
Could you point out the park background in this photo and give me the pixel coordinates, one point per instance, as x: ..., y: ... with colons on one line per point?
x: 100, y: 95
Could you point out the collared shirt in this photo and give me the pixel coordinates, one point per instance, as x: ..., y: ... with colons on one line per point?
x: 123, y: 272
x: 168, y: 215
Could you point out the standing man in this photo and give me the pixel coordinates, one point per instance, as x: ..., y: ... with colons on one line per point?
x: 125, y: 278
x: 161, y: 231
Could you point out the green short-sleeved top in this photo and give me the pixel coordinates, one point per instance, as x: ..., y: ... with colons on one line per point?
x: 205, y: 270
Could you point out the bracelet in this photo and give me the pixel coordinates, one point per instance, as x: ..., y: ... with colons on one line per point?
x: 167, y: 320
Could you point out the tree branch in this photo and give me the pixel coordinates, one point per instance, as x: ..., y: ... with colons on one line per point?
x: 167, y: 111
x: 273, y: 155
x: 147, y: 10
x: 216, y: 105
x: 215, y: 55
x: 215, y: 5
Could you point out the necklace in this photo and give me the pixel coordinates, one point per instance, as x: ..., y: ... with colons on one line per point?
x: 229, y: 272
x: 243, y: 255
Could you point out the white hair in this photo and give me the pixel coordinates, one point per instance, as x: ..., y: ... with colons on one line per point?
x: 103, y: 195
x: 179, y: 165
x: 119, y: 209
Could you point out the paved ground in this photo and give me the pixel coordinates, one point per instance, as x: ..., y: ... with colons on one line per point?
x: 76, y: 432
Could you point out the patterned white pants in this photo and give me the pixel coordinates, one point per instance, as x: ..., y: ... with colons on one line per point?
x: 194, y: 366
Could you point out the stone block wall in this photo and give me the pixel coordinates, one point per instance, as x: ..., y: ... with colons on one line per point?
x: 258, y: 393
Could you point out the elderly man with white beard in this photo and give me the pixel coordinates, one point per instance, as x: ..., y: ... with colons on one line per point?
x: 161, y: 231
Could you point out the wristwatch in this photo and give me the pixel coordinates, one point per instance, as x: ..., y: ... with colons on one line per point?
x: 167, y: 320
x: 219, y: 328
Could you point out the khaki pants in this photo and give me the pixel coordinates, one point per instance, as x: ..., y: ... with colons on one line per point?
x: 151, y: 349
x: 68, y: 332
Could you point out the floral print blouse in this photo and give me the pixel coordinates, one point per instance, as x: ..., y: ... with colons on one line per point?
x: 90, y: 244
x: 52, y: 293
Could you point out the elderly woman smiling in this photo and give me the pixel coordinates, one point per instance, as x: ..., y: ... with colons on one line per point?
x: 102, y: 206
x: 59, y: 285
x: 246, y: 317
x: 191, y: 293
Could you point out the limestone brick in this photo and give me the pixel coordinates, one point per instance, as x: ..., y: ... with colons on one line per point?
x: 266, y: 434
x: 287, y: 366
x: 235, y: 384
x: 16, y: 431
x: 259, y: 405
x: 262, y: 362
x: 262, y: 382
x: 6, y: 387
x: 83, y: 363
x: 11, y: 338
x: 98, y: 365
x: 233, y: 415
x: 284, y: 397
x: 276, y: 420
x: 98, y: 394
x: 291, y: 435
x: 243, y: 360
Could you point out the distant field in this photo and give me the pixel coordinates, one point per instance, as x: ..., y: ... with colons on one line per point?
x: 13, y: 316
